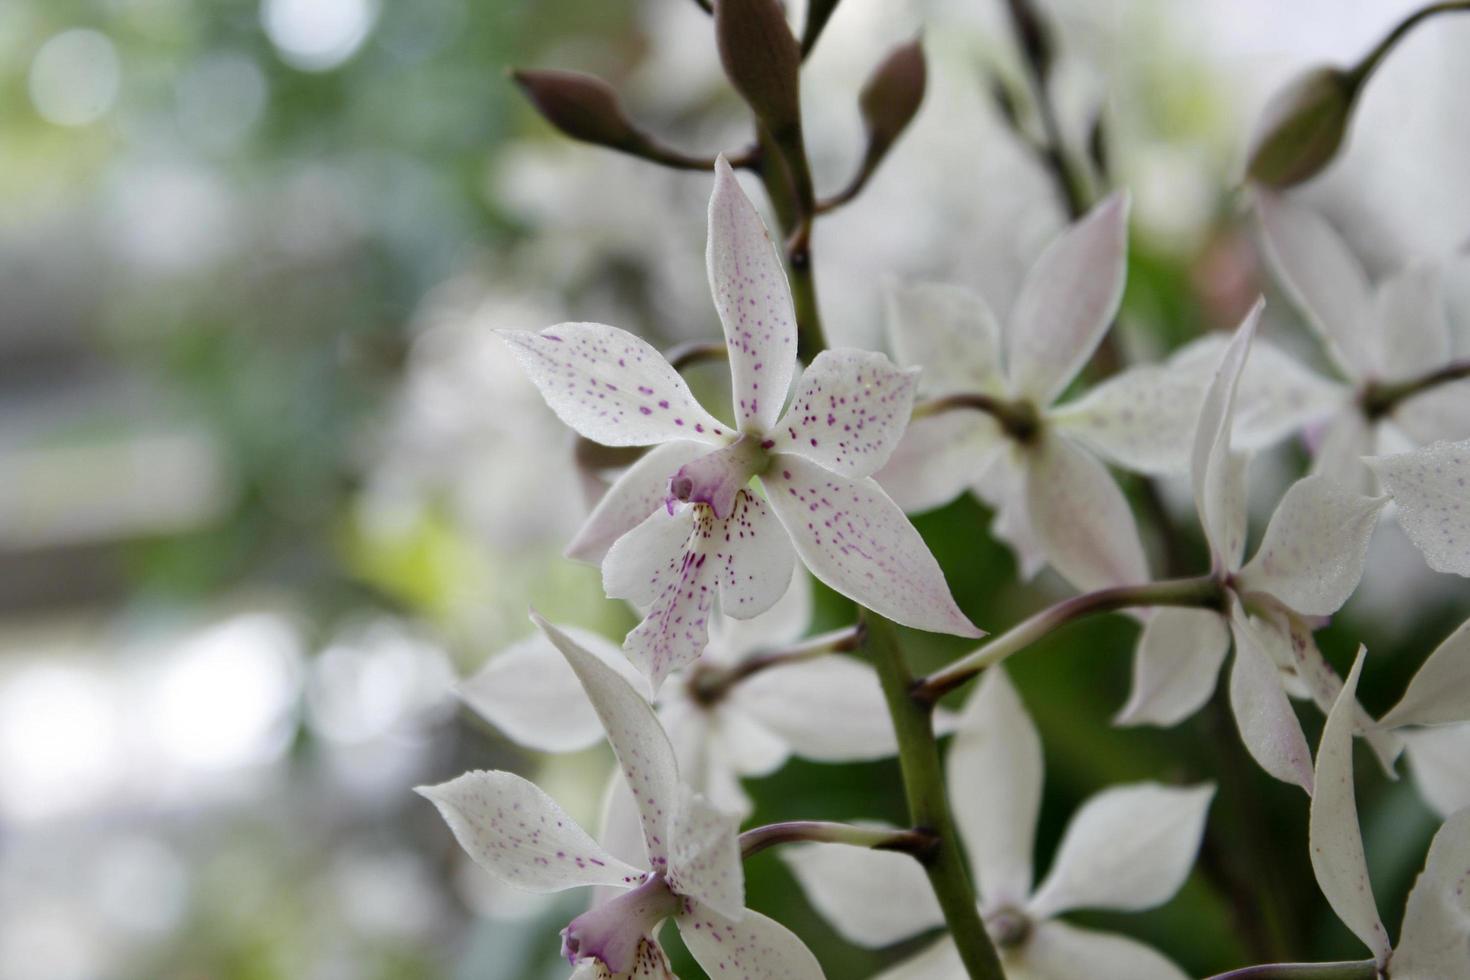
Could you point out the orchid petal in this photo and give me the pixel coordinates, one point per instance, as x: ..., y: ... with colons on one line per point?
x: 1128, y: 848
x: 1059, y: 951
x: 611, y: 386
x: 1067, y: 301
x: 872, y: 898
x: 856, y: 541
x: 1176, y: 666
x: 650, y: 963
x: 1081, y: 518
x: 704, y: 763
x: 1338, y: 458
x: 994, y: 771
x: 531, y: 694
x: 520, y: 836
x: 752, y: 556
x: 637, y: 739
x: 1442, y: 412
x: 753, y: 947
x: 753, y: 299
x: 939, y: 960
x: 638, y: 492
x: 1003, y: 489
x: 1435, y: 939
x: 704, y: 855
x: 1141, y: 419
x: 1413, y: 333
x: 1217, y: 473
x: 1430, y: 487
x: 939, y: 457
x: 732, y: 640
x: 849, y: 412
x: 1334, y: 834
x: 1268, y: 725
x: 619, y: 829
x: 1325, y: 282
x: 1439, y: 758
x: 950, y: 332
x: 828, y: 710
x: 1439, y: 694
x: 1312, y: 556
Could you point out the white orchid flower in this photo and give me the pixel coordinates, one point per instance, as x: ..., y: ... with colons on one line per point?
x: 1375, y: 338
x: 1431, y: 488
x: 1434, y: 942
x: 724, y: 724
x: 685, y: 523
x: 692, y: 872
x: 1307, y: 565
x: 1129, y: 848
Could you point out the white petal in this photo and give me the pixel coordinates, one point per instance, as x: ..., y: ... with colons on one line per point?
x: 748, y: 746
x: 1215, y: 471
x: 752, y: 556
x: 1067, y: 301
x: 1435, y: 940
x: 754, y: 947
x: 620, y: 828
x: 829, y: 710
x: 634, y: 566
x: 531, y: 694
x: 1439, y: 758
x: 611, y: 386
x: 938, y: 458
x: 1442, y: 412
x: 703, y: 763
x: 937, y: 961
x: 704, y: 855
x: 1333, y: 832
x: 1439, y: 693
x: 1432, y: 489
x: 1268, y: 725
x: 638, y: 492
x: 1338, y: 458
x: 1142, y: 419
x: 1312, y: 555
x: 951, y: 333
x: 1003, y: 488
x: 1128, y: 848
x: 1058, y: 951
x: 753, y: 299
x: 732, y: 640
x: 857, y: 541
x: 849, y: 411
x: 520, y: 836
x: 1081, y: 518
x: 1324, y: 280
x: 1176, y: 666
x: 637, y: 739
x: 872, y: 898
x: 1412, y: 332
x: 994, y: 771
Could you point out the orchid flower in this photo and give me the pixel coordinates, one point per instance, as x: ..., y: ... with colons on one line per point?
x: 692, y: 872
x: 1129, y: 848
x: 1307, y: 565
x: 684, y: 523
x: 1429, y: 487
x: 723, y: 725
x: 1433, y: 719
x: 1375, y: 338
x: 1434, y: 941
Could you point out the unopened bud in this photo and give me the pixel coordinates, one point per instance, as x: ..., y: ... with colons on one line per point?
x: 891, y: 96
x: 582, y: 106
x: 1302, y: 127
x: 762, y: 59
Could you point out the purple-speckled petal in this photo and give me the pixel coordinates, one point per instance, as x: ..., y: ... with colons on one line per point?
x: 1432, y: 489
x: 638, y: 492
x: 519, y: 835
x: 637, y: 739
x: 754, y: 303
x: 753, y: 558
x: 850, y: 409
x: 704, y: 855
x: 650, y: 963
x: 611, y: 386
x: 857, y: 541
x: 755, y: 948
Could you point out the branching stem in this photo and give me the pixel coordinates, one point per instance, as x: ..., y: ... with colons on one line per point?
x: 919, y: 843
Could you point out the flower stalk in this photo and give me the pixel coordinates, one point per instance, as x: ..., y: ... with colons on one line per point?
x: 710, y: 684
x: 919, y: 843
x: 1344, y: 970
x: 1379, y: 399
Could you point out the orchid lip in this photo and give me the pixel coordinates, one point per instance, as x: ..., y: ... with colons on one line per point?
x: 716, y: 478
x: 612, y: 932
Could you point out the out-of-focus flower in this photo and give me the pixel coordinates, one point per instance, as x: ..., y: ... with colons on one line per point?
x: 694, y: 875
x: 1429, y: 487
x: 685, y: 521
x: 1433, y: 719
x: 1129, y: 848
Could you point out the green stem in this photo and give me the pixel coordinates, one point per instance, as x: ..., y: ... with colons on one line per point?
x: 1379, y: 399
x: 1344, y: 970
x: 784, y: 171
x: 710, y: 684
x: 1205, y: 591
x: 1360, y: 74
x: 916, y: 842
x: 923, y: 783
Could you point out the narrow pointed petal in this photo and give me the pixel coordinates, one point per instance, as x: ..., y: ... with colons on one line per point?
x: 704, y: 856
x: 1432, y: 489
x: 872, y: 898
x: 1338, y: 457
x: 1435, y: 940
x: 849, y: 411
x: 1003, y: 489
x: 753, y: 947
x: 951, y: 333
x: 619, y: 829
x: 1067, y: 302
x: 1217, y: 473
x: 704, y: 763
x: 637, y: 739
x: 1176, y: 666
x: 828, y: 710
x: 1312, y: 556
x: 1324, y: 280
x: 1059, y: 951
x: 1413, y: 332
x: 1439, y: 759
x: 520, y: 836
x: 753, y: 299
x: 1128, y: 848
x: 612, y: 387
x: 1081, y: 518
x: 938, y: 961
x: 1439, y: 694
x: 1268, y: 725
x: 1333, y: 831
x: 532, y: 695
x: 995, y: 771
x: 1142, y: 419
x: 939, y: 458
x: 638, y: 492
x: 857, y: 541
x: 732, y: 640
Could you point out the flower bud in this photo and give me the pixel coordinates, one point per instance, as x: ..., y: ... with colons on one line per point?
x: 762, y: 60
x: 581, y: 106
x: 1302, y: 127
x: 891, y: 96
